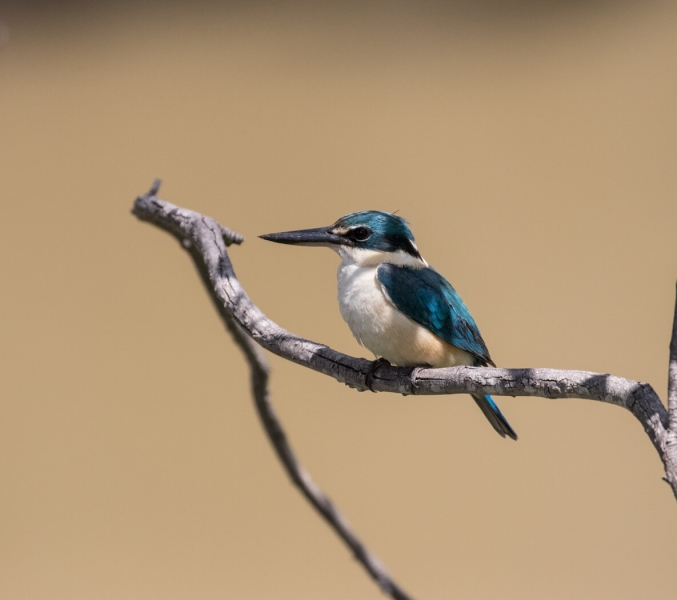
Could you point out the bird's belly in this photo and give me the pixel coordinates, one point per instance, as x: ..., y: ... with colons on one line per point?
x: 386, y: 331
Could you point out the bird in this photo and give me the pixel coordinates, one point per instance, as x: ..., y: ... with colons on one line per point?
x: 395, y: 303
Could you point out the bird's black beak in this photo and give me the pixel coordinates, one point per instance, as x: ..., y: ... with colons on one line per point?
x: 321, y: 236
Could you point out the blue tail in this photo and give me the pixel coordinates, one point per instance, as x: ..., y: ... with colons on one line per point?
x: 495, y: 416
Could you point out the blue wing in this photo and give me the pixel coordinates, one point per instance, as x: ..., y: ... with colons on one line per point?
x: 428, y: 298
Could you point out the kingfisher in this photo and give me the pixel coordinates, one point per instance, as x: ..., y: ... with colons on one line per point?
x: 396, y: 305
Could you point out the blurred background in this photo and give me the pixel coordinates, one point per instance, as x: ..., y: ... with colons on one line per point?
x: 532, y: 147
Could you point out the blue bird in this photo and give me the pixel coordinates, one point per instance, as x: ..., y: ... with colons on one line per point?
x: 395, y: 304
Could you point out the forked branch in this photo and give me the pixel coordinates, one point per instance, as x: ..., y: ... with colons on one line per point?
x: 206, y: 240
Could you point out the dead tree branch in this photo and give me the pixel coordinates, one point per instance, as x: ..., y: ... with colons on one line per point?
x: 217, y: 238
x: 672, y: 374
x: 206, y: 240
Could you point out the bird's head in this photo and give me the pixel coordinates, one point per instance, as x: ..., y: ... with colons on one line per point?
x: 368, y: 237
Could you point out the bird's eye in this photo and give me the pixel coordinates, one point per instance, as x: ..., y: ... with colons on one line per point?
x: 360, y: 234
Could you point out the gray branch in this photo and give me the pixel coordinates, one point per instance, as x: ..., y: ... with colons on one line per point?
x: 672, y: 374
x: 207, y: 246
x: 206, y: 240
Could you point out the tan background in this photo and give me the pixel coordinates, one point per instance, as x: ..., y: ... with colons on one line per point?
x: 533, y: 149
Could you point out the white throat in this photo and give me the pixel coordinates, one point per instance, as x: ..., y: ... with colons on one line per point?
x: 362, y: 257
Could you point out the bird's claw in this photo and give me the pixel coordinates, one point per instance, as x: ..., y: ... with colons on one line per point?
x: 413, y: 374
x: 375, y: 366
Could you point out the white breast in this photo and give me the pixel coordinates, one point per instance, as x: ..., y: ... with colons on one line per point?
x: 384, y: 330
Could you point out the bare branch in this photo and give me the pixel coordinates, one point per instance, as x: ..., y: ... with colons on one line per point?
x: 672, y: 374
x: 259, y: 381
x: 670, y: 438
x: 299, y: 476
x: 206, y: 240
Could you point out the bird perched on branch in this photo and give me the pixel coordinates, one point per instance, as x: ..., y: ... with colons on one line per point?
x: 395, y: 304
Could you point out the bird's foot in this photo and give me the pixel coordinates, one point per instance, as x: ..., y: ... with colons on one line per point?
x: 414, y: 373
x: 375, y: 366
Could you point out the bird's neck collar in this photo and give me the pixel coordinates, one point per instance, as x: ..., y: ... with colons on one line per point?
x: 363, y: 257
